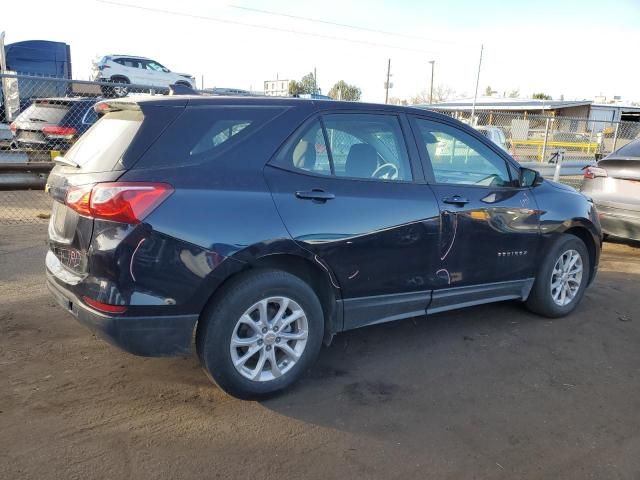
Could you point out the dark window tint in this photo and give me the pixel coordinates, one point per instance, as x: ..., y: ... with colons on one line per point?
x: 90, y: 115
x: 367, y: 146
x: 459, y: 158
x: 103, y: 145
x: 204, y: 133
x: 307, y: 151
x: 629, y: 150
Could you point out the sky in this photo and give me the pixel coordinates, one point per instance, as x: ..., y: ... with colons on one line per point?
x: 577, y: 49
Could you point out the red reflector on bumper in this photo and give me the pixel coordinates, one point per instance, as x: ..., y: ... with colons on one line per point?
x: 104, y: 307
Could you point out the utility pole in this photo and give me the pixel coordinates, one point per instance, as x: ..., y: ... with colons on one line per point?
x: 475, y: 96
x: 432, y: 62
x: 315, y: 81
x: 387, y: 85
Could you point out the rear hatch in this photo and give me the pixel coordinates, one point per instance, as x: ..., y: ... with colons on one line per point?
x: 105, y: 152
x: 31, y: 126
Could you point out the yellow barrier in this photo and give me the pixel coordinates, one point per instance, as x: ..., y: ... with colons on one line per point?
x: 585, y: 147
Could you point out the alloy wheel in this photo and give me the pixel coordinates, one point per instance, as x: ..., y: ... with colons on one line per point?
x: 566, y: 277
x: 269, y: 339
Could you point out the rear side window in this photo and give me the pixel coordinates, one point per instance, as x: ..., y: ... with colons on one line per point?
x: 307, y: 151
x: 44, y: 112
x: 367, y: 146
x: 364, y: 146
x: 200, y: 134
x: 103, y: 145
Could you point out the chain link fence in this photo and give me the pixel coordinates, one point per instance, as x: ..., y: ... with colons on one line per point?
x: 539, y: 138
x: 41, y: 117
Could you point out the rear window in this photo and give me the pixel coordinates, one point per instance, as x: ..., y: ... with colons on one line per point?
x: 40, y: 112
x: 629, y: 150
x: 205, y: 133
x: 103, y: 145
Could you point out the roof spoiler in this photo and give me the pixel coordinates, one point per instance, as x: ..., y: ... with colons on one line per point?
x: 107, y: 106
x: 180, y: 89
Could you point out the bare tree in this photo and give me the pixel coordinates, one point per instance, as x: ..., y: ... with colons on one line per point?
x: 398, y: 101
x: 441, y: 93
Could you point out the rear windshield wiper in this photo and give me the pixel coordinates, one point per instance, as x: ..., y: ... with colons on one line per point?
x: 36, y: 120
x: 60, y: 160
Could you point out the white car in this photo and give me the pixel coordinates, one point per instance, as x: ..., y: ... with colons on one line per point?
x: 496, y: 135
x: 128, y: 69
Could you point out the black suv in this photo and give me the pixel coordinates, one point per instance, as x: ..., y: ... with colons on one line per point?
x: 262, y: 227
x: 53, y: 124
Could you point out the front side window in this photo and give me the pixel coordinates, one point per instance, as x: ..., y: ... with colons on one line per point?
x: 364, y: 146
x: 459, y: 158
x: 155, y: 66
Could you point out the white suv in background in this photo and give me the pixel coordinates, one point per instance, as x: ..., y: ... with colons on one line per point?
x: 129, y: 69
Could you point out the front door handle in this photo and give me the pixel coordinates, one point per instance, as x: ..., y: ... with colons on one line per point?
x: 317, y: 195
x: 455, y: 200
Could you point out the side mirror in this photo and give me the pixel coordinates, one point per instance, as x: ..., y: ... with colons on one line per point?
x: 530, y: 177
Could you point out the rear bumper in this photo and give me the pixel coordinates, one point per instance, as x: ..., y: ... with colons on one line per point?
x: 158, y: 336
x: 619, y: 223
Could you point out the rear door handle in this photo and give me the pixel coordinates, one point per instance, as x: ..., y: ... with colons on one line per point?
x: 455, y: 200
x: 318, y: 195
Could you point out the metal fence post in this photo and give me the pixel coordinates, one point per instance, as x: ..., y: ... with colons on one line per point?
x: 615, y: 138
x: 556, y: 173
x: 546, y: 136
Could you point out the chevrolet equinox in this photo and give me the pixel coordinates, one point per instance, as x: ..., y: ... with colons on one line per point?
x: 257, y: 228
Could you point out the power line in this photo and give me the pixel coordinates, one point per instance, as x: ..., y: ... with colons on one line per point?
x: 255, y: 25
x: 337, y: 24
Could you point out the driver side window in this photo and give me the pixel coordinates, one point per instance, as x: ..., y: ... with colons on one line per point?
x: 458, y: 158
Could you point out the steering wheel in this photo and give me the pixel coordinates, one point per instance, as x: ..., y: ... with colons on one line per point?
x: 386, y: 171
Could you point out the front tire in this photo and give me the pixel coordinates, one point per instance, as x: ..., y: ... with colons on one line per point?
x: 261, y: 333
x: 562, y: 278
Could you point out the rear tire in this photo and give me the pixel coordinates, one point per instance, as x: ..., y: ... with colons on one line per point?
x: 561, y: 279
x: 271, y: 313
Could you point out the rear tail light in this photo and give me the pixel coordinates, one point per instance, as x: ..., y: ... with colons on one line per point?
x: 13, y: 127
x: 104, y: 307
x: 66, y: 133
x: 124, y: 202
x: 593, y: 172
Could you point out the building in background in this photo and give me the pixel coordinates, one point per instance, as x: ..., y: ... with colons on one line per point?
x: 276, y: 88
x: 612, y: 112
x: 555, y: 108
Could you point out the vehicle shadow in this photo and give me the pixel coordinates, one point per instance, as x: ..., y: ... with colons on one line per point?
x: 492, y: 376
x: 623, y: 241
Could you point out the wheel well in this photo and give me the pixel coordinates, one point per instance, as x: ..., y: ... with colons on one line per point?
x: 182, y: 82
x: 584, y: 235
x: 302, y: 268
x: 310, y: 273
x: 119, y: 78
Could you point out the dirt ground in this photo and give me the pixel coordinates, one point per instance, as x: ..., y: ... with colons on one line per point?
x: 486, y: 392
